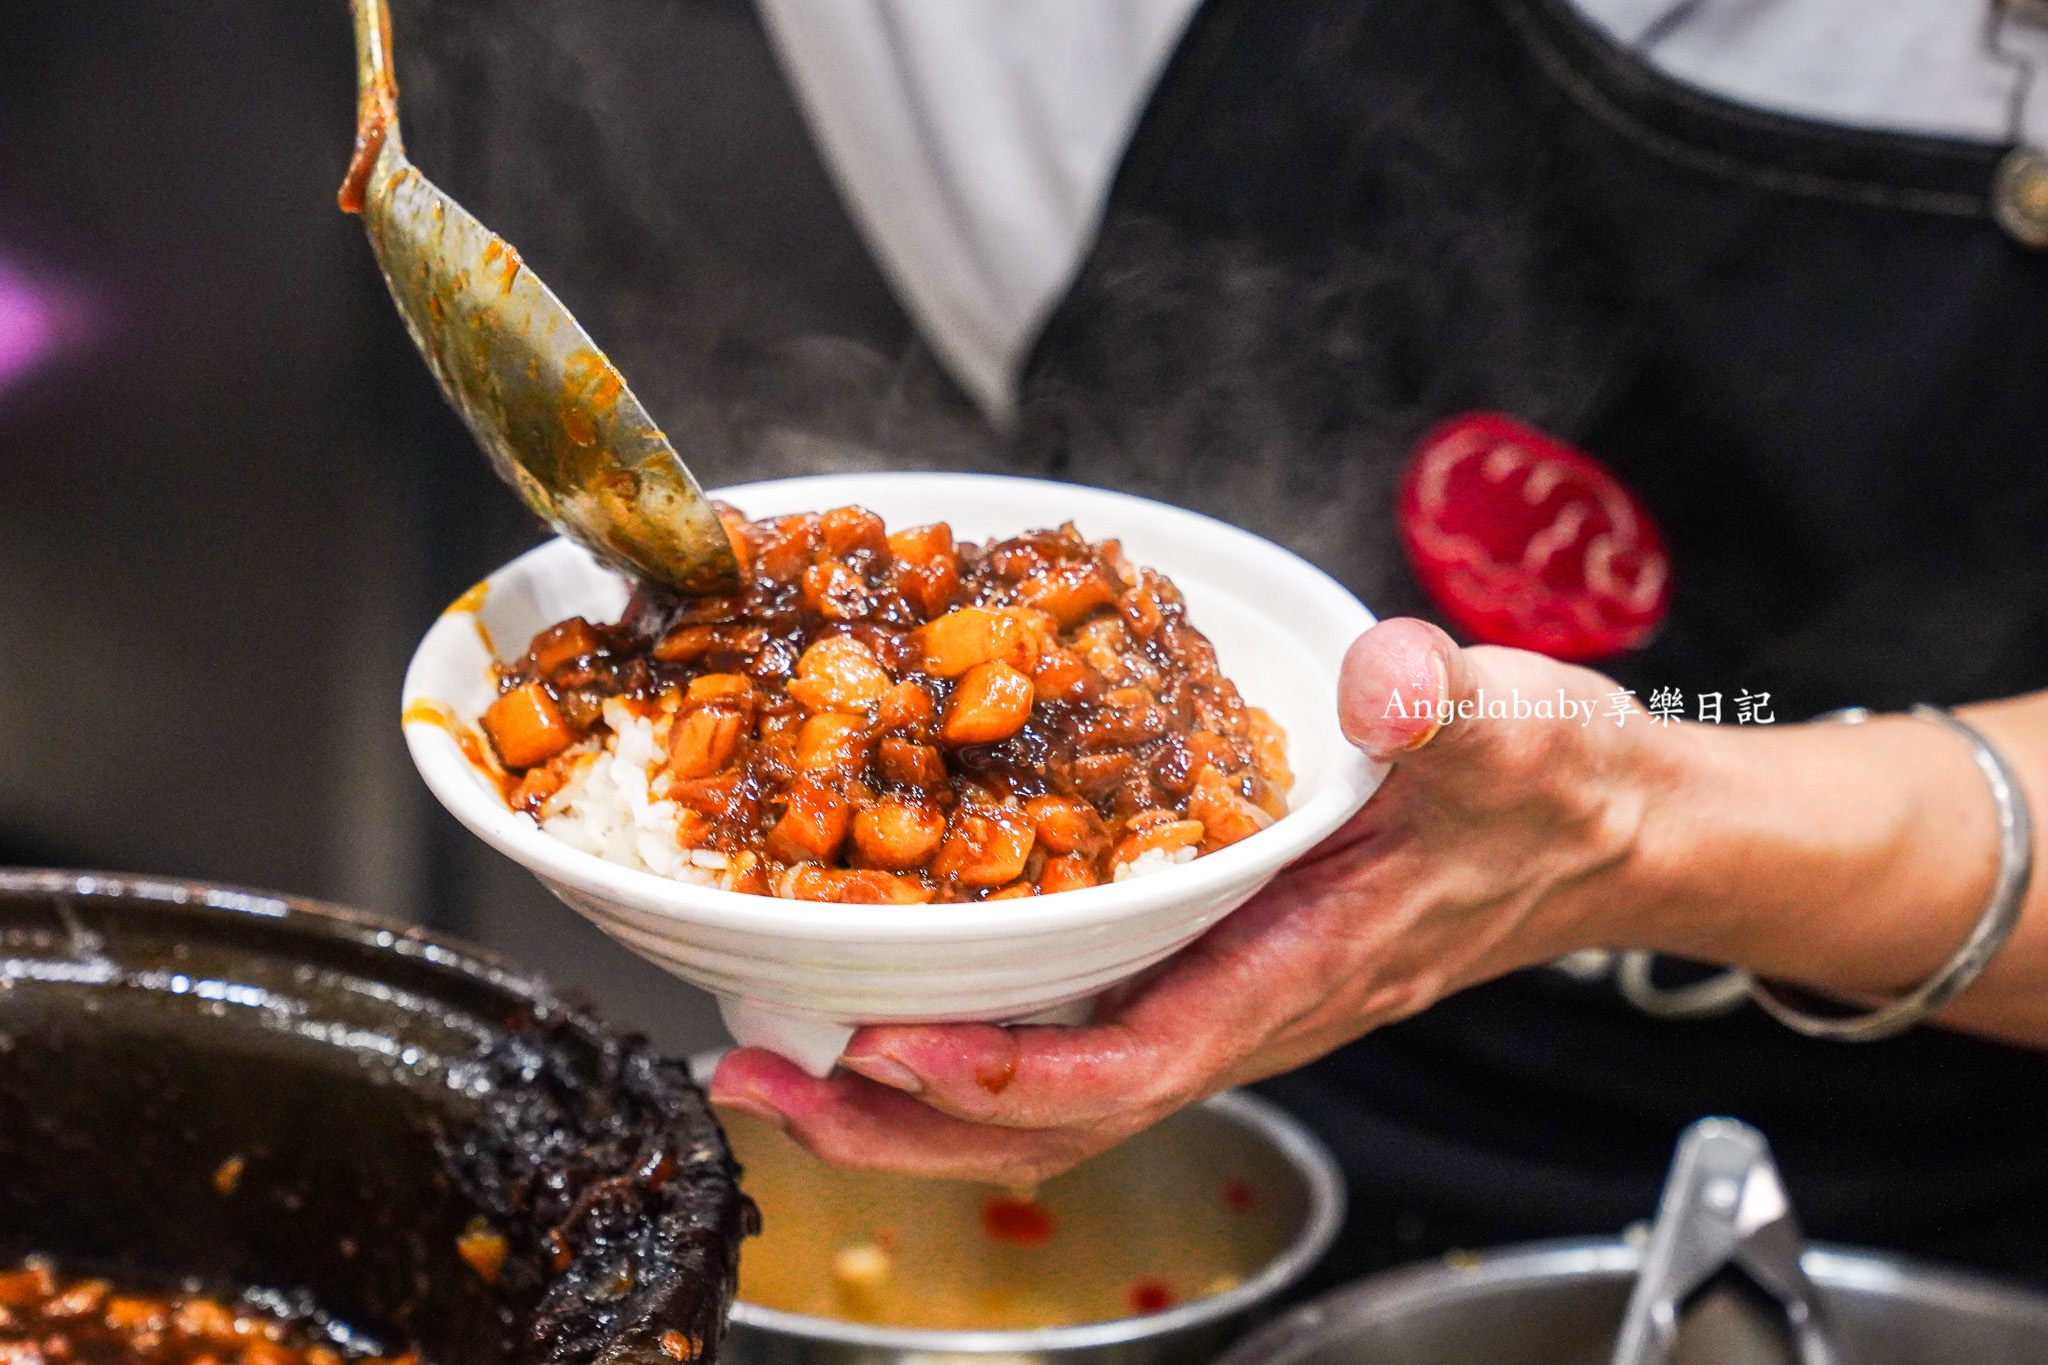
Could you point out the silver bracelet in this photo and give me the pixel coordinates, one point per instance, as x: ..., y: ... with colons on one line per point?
x: 1994, y: 926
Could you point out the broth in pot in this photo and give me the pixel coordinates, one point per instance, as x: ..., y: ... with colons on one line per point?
x: 1191, y: 1208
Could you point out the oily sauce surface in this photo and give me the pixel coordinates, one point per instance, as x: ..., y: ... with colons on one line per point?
x: 48, y: 1319
x: 902, y: 718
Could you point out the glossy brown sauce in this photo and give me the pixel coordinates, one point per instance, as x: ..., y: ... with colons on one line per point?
x: 49, y: 1319
x: 472, y: 603
x: 509, y: 271
x: 426, y: 711
x: 473, y: 600
x: 369, y: 142
x: 376, y: 117
x: 995, y: 1077
x: 897, y: 718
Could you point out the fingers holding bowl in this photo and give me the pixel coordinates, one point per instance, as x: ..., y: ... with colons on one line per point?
x: 1414, y: 896
x: 1019, y: 1104
x: 849, y: 1120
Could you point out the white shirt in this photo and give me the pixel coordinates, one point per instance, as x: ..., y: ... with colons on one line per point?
x: 974, y: 140
x: 1913, y: 66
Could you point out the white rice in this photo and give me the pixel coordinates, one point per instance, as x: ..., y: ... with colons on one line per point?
x: 608, y: 807
x: 1153, y: 860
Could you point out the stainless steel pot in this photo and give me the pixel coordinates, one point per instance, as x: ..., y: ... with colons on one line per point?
x: 1560, y: 1303
x: 1136, y: 1192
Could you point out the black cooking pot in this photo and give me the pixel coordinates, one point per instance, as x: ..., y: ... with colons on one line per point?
x: 207, y: 1084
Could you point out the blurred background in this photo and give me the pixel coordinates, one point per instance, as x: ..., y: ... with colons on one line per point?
x: 231, y: 499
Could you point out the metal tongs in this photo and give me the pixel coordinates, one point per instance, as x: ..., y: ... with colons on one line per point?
x: 554, y: 415
x: 1723, y: 1205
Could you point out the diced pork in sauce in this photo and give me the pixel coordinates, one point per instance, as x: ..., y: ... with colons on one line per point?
x: 51, y: 1319
x: 900, y: 718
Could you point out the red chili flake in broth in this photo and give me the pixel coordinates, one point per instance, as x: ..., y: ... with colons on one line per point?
x: 1238, y: 1195
x: 1149, y: 1296
x: 1018, y: 1222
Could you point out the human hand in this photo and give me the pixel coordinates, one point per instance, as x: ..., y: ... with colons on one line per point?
x: 1490, y: 846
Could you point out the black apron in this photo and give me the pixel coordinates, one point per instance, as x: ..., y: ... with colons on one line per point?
x: 1341, y: 221
x: 1811, y: 353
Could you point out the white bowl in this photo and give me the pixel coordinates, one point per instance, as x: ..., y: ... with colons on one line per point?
x: 799, y: 976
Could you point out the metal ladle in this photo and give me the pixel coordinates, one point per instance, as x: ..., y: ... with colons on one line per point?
x: 554, y: 416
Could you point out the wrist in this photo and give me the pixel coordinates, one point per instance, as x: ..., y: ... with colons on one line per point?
x: 1851, y: 859
x: 1660, y: 780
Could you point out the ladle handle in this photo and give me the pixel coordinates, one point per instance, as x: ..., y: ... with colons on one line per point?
x: 1723, y: 1205
x: 376, y: 100
x: 374, y: 81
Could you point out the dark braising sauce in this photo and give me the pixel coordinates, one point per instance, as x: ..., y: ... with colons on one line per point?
x: 48, y: 1319
x: 901, y: 718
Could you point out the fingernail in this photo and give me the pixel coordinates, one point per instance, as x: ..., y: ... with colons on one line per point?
x: 748, y: 1104
x: 1443, y: 692
x: 886, y: 1071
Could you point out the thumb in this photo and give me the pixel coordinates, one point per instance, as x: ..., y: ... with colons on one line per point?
x: 1404, y: 681
x: 1399, y: 686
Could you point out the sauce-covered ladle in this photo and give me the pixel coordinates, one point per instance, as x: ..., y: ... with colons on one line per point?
x: 555, y: 417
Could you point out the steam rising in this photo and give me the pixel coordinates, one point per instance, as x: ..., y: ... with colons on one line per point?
x: 646, y: 158
x: 1272, y: 370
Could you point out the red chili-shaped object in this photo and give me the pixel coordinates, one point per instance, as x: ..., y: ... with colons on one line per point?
x: 1523, y: 540
x: 1018, y: 1222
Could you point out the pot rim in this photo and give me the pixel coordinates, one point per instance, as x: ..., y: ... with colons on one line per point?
x: 1326, y: 1203
x: 1452, y: 1278
x: 339, y: 922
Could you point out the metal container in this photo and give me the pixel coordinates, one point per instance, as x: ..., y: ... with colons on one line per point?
x: 1560, y: 1304
x: 1152, y: 1202
x: 209, y: 1084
